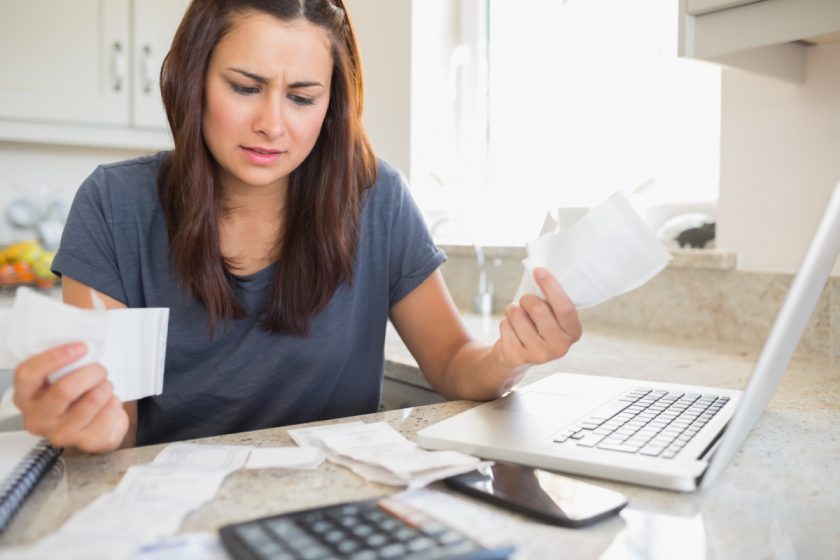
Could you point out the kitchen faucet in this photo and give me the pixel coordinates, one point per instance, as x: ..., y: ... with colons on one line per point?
x: 483, y: 299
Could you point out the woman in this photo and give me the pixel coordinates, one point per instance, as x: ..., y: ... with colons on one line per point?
x: 279, y: 243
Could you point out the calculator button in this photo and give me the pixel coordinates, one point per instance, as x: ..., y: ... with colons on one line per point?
x: 405, y: 533
x: 350, y: 522
x: 362, y: 530
x: 420, y: 543
x: 376, y: 540
x: 321, y: 526
x: 280, y: 555
x: 281, y: 527
x: 434, y: 528
x: 314, y: 552
x: 364, y: 555
x: 251, y: 532
x: 392, y: 551
x: 346, y: 547
x: 334, y: 536
x: 267, y: 549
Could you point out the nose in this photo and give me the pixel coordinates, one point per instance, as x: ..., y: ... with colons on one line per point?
x: 269, y: 121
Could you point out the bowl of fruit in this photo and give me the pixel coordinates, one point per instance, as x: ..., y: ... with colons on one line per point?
x: 26, y: 263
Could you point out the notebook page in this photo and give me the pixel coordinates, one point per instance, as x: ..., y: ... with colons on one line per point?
x: 14, y: 447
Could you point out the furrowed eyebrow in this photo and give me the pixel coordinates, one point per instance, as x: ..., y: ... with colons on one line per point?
x: 263, y: 80
x: 305, y: 84
x: 256, y: 77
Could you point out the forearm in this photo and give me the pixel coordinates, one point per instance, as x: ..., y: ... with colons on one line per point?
x: 474, y: 372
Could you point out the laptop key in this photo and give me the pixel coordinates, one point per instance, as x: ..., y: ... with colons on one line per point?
x: 606, y: 412
x: 652, y: 450
x: 590, y: 440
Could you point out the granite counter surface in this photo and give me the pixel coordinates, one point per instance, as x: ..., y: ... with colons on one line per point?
x: 778, y: 498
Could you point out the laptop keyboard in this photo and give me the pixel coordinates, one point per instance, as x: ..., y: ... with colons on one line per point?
x: 648, y: 422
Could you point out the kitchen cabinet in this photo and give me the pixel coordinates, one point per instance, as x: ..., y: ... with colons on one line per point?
x: 698, y: 7
x: 85, y: 72
x: 766, y: 36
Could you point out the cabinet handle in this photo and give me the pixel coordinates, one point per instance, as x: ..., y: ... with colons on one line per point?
x: 147, y: 69
x: 119, y: 64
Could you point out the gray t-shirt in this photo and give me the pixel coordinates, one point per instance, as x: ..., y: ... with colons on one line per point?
x: 244, y: 378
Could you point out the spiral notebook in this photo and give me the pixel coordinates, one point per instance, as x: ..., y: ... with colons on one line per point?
x: 24, y: 460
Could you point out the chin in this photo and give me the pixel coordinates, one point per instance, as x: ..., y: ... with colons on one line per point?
x: 261, y: 178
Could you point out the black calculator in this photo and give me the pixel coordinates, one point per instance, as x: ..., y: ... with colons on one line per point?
x: 367, y: 530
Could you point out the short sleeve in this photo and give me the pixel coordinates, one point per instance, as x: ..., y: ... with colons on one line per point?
x: 88, y: 252
x: 413, y: 255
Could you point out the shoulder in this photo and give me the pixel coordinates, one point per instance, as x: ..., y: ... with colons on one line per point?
x: 129, y: 183
x: 133, y: 176
x: 388, y: 191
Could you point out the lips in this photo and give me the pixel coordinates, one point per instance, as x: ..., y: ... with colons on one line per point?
x: 263, y: 151
x: 261, y: 156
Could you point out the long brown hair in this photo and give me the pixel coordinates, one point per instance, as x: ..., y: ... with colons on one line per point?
x: 322, y: 209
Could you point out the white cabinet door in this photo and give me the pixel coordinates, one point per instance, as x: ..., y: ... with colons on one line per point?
x: 65, y: 62
x: 155, y: 22
x: 763, y: 36
x: 698, y: 7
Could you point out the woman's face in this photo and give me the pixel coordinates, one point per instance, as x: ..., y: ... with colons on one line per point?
x: 266, y: 95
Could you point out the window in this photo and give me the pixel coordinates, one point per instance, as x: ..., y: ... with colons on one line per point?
x: 522, y: 107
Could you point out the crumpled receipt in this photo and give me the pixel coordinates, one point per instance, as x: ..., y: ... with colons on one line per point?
x: 129, y: 343
x: 608, y: 252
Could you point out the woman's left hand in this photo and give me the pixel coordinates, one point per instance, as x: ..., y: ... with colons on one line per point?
x: 537, y: 330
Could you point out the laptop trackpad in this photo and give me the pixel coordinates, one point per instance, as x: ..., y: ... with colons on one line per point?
x: 547, y: 405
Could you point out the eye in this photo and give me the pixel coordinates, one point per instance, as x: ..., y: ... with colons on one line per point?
x: 301, y: 100
x: 244, y: 90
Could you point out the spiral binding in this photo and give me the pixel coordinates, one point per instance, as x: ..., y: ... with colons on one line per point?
x: 20, y: 483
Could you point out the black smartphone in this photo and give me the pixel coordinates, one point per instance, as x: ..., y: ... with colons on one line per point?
x: 540, y: 494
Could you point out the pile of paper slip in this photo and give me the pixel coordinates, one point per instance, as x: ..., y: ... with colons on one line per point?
x: 151, y: 500
x: 606, y: 253
x: 379, y: 453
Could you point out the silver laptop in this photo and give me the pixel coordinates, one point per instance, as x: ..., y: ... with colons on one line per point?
x: 678, y: 437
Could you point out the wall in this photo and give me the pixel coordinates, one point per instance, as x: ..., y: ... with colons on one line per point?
x: 38, y: 170
x: 46, y: 172
x: 699, y: 296
x: 384, y: 35
x: 780, y: 149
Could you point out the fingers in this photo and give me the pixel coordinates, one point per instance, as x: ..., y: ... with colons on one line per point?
x: 519, y: 342
x: 107, y: 429
x: 509, y: 349
x: 556, y: 340
x: 539, y: 330
x: 31, y: 375
x: 563, y: 309
x: 64, y: 392
x: 81, y: 414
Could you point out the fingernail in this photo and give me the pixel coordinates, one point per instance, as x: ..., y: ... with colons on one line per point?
x: 76, y: 349
x: 540, y: 273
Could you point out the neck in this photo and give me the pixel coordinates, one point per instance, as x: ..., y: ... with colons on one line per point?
x: 252, y: 202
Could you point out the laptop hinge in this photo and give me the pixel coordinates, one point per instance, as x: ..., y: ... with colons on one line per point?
x: 709, y: 451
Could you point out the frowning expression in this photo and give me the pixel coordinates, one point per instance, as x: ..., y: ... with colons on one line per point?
x: 266, y: 95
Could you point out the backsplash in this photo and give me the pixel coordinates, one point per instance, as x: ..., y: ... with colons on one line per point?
x: 699, y: 295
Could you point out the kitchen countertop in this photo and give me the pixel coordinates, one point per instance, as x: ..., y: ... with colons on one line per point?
x: 779, y: 496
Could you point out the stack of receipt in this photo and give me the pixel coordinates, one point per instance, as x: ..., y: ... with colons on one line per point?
x: 608, y: 252
x: 129, y: 343
x: 151, y: 501
x: 379, y: 453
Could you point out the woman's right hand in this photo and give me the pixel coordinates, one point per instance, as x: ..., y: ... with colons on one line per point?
x: 78, y: 410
